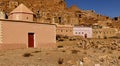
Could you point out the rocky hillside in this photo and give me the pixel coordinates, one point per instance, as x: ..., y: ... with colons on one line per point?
x: 50, y: 11
x: 34, y: 5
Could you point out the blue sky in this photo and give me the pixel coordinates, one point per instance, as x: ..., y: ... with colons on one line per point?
x: 109, y: 8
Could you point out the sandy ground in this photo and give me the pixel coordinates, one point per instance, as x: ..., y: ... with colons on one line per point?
x: 69, y: 55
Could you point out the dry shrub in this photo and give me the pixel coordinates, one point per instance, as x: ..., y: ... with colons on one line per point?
x: 72, y: 39
x: 27, y: 55
x: 75, y: 51
x: 63, y: 51
x: 2, y: 54
x: 47, y: 53
x: 61, y: 39
x: 66, y: 37
x: 85, y: 52
x: 59, y: 46
x: 119, y: 57
x: 58, y: 37
x: 113, y: 48
x: 102, y: 60
x: 103, y: 50
x: 60, y: 61
x: 110, y: 52
x: 36, y: 51
x: 94, y: 51
x: 118, y: 49
x: 96, y: 46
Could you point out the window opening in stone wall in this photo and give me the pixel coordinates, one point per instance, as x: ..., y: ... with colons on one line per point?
x: 27, y: 18
x: 59, y: 18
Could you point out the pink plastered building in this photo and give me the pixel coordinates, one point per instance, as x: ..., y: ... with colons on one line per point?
x: 20, y: 31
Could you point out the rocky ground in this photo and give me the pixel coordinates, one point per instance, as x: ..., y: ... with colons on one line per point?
x: 68, y: 53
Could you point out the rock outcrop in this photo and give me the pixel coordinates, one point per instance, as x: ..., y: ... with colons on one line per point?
x: 55, y: 11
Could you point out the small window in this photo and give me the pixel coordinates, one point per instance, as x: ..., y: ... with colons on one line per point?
x: 96, y: 32
x: 66, y: 30
x: 104, y: 32
x: 110, y: 32
x: 76, y: 33
x: 82, y: 32
x: 61, y: 30
x: 57, y: 30
x: 100, y: 32
x: 79, y: 16
x: 27, y: 18
x: 107, y: 32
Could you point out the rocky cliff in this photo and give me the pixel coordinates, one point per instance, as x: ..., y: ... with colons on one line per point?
x: 50, y: 11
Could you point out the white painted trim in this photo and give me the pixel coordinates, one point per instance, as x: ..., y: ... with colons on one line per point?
x: 27, y: 40
x: 35, y: 40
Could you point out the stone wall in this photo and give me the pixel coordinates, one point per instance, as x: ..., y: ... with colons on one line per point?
x: 104, y: 32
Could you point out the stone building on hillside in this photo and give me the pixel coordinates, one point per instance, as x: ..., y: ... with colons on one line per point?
x: 85, y: 32
x: 65, y: 30
x: 20, y: 31
x: 103, y: 32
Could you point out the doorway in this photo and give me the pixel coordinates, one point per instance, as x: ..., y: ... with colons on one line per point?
x: 31, y: 40
x: 85, y: 35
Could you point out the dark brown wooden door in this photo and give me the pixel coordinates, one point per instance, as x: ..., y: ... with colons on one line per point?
x: 30, y: 39
x: 85, y: 35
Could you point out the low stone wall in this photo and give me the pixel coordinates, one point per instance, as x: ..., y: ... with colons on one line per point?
x: 104, y: 41
x: 99, y: 43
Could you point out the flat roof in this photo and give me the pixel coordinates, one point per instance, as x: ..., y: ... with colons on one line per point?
x: 33, y: 22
